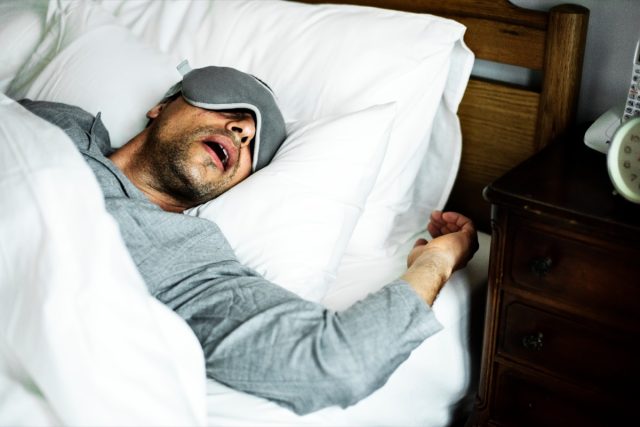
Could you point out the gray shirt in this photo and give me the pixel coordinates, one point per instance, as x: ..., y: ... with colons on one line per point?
x: 257, y: 337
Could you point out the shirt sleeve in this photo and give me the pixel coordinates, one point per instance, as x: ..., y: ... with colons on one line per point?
x: 260, y: 338
x: 264, y: 340
x: 323, y: 358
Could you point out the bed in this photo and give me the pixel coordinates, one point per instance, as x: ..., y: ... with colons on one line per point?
x: 82, y: 343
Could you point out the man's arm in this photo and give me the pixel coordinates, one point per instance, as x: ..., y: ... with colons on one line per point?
x: 305, y: 357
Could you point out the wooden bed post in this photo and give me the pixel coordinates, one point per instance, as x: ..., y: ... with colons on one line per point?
x: 564, y: 52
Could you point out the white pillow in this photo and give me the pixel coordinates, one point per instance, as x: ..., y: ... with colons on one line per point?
x: 291, y: 221
x: 332, y: 59
x: 87, y: 59
x: 21, y: 26
x: 170, y: 26
x: 81, y: 340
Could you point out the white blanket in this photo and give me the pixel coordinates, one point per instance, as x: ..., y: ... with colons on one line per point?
x: 81, y: 340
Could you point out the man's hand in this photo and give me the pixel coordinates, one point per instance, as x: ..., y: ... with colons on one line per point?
x: 430, y: 264
x: 452, y: 233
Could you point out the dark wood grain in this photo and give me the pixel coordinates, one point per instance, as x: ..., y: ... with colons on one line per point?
x: 563, y: 310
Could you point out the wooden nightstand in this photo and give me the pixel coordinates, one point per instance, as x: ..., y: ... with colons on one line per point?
x: 563, y: 310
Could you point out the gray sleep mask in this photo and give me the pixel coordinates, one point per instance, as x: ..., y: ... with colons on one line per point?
x: 223, y: 88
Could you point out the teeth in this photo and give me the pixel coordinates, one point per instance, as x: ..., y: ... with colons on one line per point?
x: 226, y: 156
x: 220, y: 151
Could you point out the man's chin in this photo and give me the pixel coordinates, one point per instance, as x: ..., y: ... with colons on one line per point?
x: 204, y: 193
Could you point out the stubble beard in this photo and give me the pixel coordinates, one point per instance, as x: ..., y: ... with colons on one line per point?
x: 173, y: 172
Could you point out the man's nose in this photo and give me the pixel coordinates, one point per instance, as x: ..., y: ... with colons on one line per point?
x: 245, y: 129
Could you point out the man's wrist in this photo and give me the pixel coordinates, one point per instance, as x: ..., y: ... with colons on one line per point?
x: 428, y: 274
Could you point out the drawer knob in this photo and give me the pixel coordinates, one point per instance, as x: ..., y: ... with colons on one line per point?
x: 541, y: 266
x: 533, y: 342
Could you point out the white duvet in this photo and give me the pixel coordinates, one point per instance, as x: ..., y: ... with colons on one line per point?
x: 81, y: 340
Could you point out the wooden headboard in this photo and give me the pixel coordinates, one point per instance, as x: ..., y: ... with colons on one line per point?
x: 503, y: 123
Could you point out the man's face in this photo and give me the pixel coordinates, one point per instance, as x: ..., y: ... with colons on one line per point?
x: 195, y: 154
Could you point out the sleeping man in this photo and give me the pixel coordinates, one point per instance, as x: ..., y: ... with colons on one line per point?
x: 210, y: 132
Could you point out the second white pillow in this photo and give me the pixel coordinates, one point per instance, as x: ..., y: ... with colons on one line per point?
x: 292, y: 220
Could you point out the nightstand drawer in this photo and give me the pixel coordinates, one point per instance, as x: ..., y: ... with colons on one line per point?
x: 524, y: 400
x: 568, y: 348
x: 590, y: 275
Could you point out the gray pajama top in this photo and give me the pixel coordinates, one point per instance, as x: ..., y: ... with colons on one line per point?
x: 257, y: 337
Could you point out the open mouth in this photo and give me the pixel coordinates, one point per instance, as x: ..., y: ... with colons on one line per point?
x: 219, y: 151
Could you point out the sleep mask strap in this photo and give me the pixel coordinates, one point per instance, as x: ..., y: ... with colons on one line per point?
x: 184, y: 67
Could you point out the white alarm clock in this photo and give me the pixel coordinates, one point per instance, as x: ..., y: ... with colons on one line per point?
x: 623, y: 160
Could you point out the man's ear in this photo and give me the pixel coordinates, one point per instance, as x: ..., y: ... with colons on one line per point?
x: 155, y: 111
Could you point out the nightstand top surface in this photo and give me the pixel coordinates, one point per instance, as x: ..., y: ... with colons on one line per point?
x: 567, y: 178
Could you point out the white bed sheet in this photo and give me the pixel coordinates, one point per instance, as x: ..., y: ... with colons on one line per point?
x: 434, y: 387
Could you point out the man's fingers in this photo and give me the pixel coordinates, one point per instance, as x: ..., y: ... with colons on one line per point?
x: 453, y: 220
x: 433, y: 229
x: 452, y: 227
x: 448, y: 222
x: 458, y: 219
x: 439, y: 228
